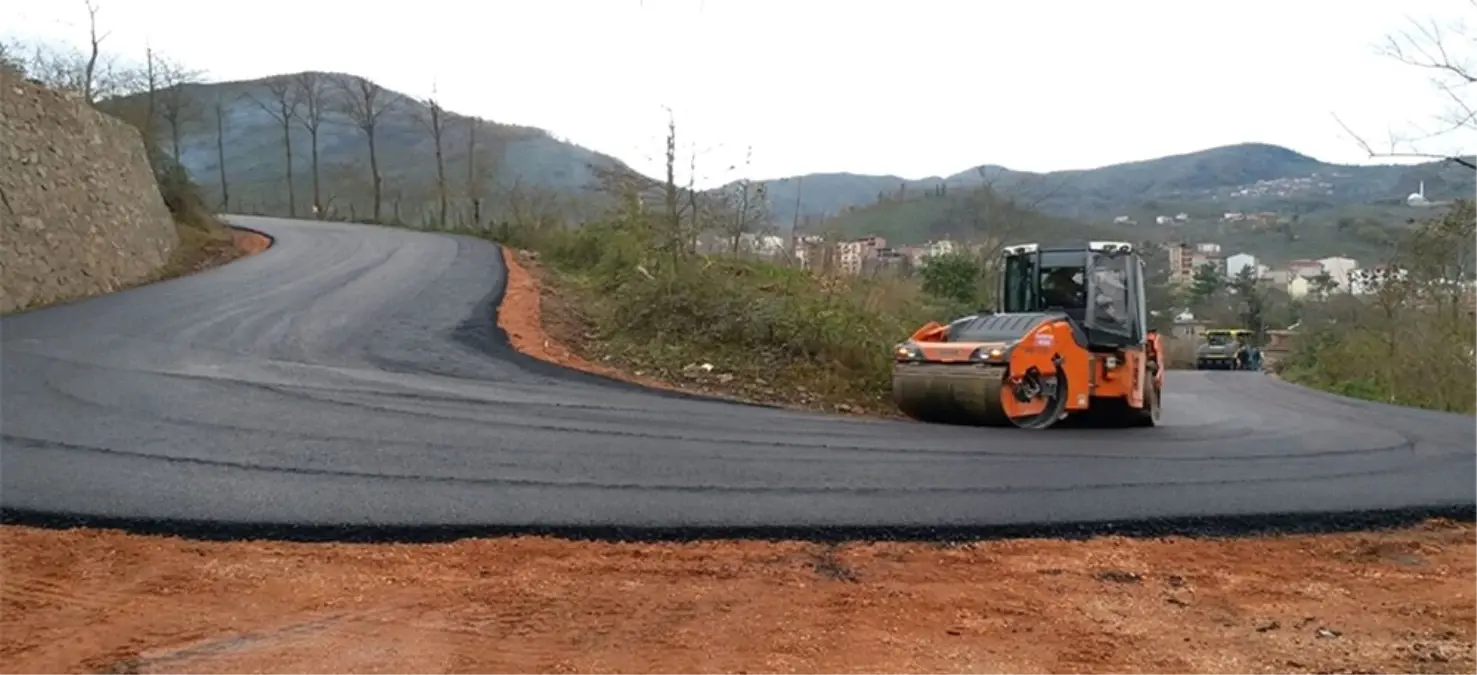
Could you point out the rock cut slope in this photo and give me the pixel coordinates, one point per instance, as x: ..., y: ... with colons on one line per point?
x: 80, y: 213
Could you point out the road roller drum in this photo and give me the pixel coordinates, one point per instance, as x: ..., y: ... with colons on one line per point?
x: 950, y: 394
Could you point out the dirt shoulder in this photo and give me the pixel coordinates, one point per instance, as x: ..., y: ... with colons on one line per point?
x: 102, y: 601
x: 545, y: 317
x: 202, y: 248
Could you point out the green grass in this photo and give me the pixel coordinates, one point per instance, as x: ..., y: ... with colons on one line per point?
x: 755, y: 320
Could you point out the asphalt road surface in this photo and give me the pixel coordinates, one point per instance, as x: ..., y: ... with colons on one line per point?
x: 353, y: 376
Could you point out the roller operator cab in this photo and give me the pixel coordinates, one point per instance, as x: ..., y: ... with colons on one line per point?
x: 1070, y: 340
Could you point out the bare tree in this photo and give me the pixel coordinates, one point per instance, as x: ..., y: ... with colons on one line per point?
x: 530, y: 209
x: 310, y: 92
x: 220, y: 151
x: 141, y: 109
x: 682, y: 205
x: 1444, y: 53
x: 484, y: 148
x: 178, y: 107
x: 998, y: 210
x: 795, y: 219
x: 93, y: 74
x: 52, y: 66
x: 365, y: 103
x: 472, y: 123
x: 433, y: 119
x: 150, y: 81
x: 94, y: 41
x: 747, y: 207
x: 670, y: 189
x: 10, y: 58
x: 282, y: 103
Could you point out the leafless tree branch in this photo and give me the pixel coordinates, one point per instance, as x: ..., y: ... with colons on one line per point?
x: 282, y: 102
x: 1429, y: 46
x: 311, y: 93
x: 365, y: 103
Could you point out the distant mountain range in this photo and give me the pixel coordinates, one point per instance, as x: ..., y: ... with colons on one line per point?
x: 546, y: 169
x: 1245, y: 177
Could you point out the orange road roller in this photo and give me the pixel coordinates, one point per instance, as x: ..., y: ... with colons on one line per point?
x: 1070, y: 341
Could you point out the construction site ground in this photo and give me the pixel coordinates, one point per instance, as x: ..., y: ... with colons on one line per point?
x: 89, y: 600
x: 103, y: 601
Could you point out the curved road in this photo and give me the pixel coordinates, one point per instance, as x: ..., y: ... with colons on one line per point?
x: 352, y: 376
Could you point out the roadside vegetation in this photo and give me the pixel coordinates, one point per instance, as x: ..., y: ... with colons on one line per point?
x: 654, y: 300
x: 667, y: 286
x: 1412, y: 341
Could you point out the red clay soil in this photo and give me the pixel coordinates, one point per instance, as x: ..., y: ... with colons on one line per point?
x: 250, y: 243
x: 533, y: 332
x: 102, y: 601
x: 521, y: 316
x: 200, y: 254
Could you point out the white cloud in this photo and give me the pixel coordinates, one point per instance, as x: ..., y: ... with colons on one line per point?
x: 908, y: 87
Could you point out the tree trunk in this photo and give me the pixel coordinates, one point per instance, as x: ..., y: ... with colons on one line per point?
x: 374, y: 172
x: 441, y: 178
x: 472, y: 172
x: 174, y: 139
x: 220, y: 156
x: 317, y: 200
x: 287, y: 147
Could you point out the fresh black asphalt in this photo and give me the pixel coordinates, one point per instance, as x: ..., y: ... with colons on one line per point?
x: 351, y: 380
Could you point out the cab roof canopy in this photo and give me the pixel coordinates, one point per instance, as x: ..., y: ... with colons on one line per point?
x: 1099, y: 246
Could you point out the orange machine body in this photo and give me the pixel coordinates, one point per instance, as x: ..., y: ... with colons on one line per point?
x: 1072, y: 338
x: 1052, y: 346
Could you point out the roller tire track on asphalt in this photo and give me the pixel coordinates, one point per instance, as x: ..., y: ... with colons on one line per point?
x: 351, y: 383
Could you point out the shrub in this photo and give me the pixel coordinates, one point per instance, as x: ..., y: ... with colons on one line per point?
x: 953, y: 276
x: 180, y: 194
x: 742, y: 314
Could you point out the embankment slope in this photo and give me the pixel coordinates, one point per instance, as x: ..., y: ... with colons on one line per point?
x: 80, y: 212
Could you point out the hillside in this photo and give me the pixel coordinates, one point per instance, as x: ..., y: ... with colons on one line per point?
x: 1360, y: 232
x: 1246, y: 177
x: 523, y: 169
x: 965, y: 214
x: 532, y: 159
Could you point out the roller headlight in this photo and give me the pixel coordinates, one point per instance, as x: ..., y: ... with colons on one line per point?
x: 907, y: 352
x: 988, y: 355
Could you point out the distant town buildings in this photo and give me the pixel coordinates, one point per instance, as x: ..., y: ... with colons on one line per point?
x: 1238, y: 262
x: 1298, y: 278
x: 852, y: 253
x: 871, y: 255
x: 1184, y: 259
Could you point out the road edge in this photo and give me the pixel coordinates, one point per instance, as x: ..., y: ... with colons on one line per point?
x: 502, y: 345
x: 162, y: 274
x: 1194, y: 527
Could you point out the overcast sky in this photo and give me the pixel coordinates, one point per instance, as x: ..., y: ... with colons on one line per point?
x: 927, y: 87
